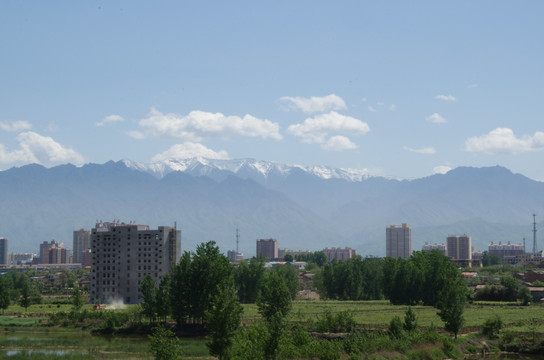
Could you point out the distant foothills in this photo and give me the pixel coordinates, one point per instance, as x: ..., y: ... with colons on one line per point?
x: 304, y: 208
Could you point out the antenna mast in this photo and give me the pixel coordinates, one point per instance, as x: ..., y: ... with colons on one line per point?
x: 534, y: 234
x: 237, y: 239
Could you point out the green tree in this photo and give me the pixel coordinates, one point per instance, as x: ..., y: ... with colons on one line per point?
x: 148, y: 304
x: 276, y: 326
x: 410, y: 320
x: 490, y: 259
x: 290, y: 275
x: 162, y: 305
x: 510, y: 288
x: 525, y: 295
x: 319, y: 258
x: 249, y: 278
x: 4, y: 295
x: 275, y: 297
x: 77, y: 298
x: 164, y: 345
x: 395, y: 329
x: 451, y: 303
x: 180, y: 290
x: 195, y: 280
x: 24, y: 301
x: 222, y: 320
x: 288, y: 258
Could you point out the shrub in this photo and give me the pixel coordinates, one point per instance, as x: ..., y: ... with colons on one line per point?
x: 410, y: 320
x: 164, y: 345
x: 395, y: 330
x: 448, y: 347
x: 492, y: 327
x: 342, y: 322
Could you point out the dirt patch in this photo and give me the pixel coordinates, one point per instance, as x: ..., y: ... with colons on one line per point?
x: 308, y: 295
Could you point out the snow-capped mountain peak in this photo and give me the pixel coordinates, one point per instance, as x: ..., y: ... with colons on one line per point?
x: 247, y: 168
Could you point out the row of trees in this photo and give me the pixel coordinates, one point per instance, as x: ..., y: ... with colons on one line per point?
x: 419, y: 279
x: 426, y: 277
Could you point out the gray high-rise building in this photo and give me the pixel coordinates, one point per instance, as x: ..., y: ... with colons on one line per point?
x: 459, y: 247
x: 82, y: 243
x: 398, y: 241
x: 122, y: 254
x: 3, y: 251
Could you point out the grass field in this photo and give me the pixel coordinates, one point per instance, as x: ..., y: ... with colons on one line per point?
x: 369, y: 313
x: 379, y: 313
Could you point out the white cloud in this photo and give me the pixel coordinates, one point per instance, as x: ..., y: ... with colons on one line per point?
x: 503, y: 141
x: 436, y: 118
x: 425, y: 150
x: 317, y: 129
x: 314, y: 104
x: 364, y: 100
x: 339, y: 143
x: 190, y: 150
x: 445, y: 97
x: 110, y: 119
x: 441, y: 169
x: 35, y: 148
x: 138, y: 135
x: 393, y: 107
x: 471, y: 86
x: 15, y: 126
x: 371, y: 109
x: 198, y: 124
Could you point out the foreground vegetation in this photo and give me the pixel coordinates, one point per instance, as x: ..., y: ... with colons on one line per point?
x: 208, y: 309
x: 314, y: 329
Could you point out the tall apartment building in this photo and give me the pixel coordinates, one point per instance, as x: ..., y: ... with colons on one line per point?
x: 440, y: 247
x: 268, y: 248
x: 3, y: 251
x: 82, y: 243
x: 122, y: 254
x: 459, y: 247
x: 398, y: 241
x: 339, y: 253
x: 54, y: 252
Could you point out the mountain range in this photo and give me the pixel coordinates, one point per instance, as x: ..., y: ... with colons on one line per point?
x: 302, y: 207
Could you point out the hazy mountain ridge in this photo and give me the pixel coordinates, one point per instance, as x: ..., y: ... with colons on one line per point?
x: 299, y: 208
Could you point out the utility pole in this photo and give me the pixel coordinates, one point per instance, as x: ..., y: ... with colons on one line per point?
x: 237, y: 240
x: 534, y: 234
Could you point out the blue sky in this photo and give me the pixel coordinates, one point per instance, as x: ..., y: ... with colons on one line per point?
x: 400, y: 88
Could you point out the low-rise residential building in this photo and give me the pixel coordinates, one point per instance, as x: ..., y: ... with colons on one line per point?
x: 339, y: 253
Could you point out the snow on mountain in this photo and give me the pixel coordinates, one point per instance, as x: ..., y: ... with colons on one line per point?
x: 204, y: 167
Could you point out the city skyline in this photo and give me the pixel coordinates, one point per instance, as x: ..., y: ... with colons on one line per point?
x: 398, y: 89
